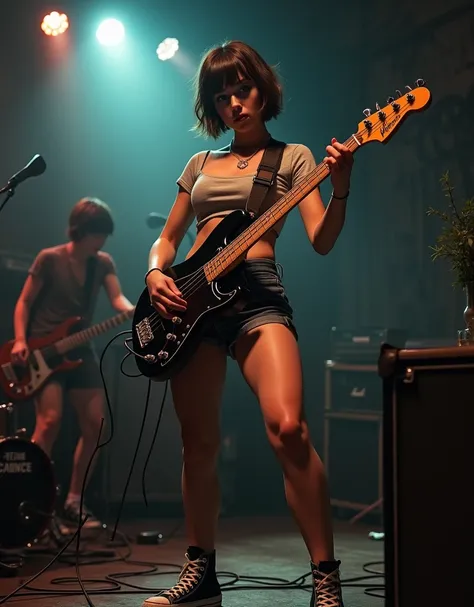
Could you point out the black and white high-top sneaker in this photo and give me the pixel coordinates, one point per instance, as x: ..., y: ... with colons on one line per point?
x: 326, y: 585
x: 197, y: 584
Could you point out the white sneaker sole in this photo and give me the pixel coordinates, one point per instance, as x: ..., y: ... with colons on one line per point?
x: 215, y: 601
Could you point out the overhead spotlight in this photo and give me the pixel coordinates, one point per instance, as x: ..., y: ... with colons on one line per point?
x: 55, y: 24
x: 167, y: 49
x: 110, y: 32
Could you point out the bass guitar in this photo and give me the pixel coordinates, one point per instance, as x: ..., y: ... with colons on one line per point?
x: 162, y: 347
x: 47, y: 355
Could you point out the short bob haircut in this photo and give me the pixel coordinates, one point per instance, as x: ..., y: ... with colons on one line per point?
x: 90, y: 216
x: 223, y: 66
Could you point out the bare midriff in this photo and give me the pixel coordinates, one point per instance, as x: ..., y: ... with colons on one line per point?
x: 265, y: 247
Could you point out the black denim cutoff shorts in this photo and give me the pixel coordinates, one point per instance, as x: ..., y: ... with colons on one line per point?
x: 263, y: 301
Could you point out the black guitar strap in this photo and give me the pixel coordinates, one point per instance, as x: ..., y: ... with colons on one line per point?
x: 266, y: 174
x: 89, y: 286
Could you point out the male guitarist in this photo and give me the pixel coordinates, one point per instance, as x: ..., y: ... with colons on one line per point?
x: 64, y: 281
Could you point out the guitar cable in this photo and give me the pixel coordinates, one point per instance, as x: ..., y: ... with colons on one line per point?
x: 110, y: 584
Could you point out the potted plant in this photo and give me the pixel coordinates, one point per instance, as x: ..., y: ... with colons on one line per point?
x: 455, y: 243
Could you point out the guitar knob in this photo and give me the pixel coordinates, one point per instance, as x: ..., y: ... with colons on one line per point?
x: 377, y: 107
x: 367, y: 112
x: 390, y: 100
x: 408, y: 88
x: 176, y: 320
x: 420, y: 82
x: 399, y: 93
x: 163, y: 355
x: 171, y: 337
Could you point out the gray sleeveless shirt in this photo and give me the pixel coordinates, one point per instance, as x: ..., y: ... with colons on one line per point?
x: 213, y: 196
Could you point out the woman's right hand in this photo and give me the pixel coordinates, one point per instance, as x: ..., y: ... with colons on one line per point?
x: 19, y: 352
x: 165, y: 296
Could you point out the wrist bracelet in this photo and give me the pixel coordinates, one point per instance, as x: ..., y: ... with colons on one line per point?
x: 340, y: 197
x: 152, y: 270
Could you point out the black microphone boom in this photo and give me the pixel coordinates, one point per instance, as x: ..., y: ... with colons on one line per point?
x: 155, y: 220
x: 35, y: 167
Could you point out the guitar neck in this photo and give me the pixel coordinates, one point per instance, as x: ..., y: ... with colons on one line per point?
x: 81, y: 337
x: 240, y: 245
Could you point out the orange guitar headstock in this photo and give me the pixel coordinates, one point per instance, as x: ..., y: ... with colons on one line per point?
x: 382, y: 124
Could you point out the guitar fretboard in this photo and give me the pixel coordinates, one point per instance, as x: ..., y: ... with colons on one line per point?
x: 240, y: 245
x: 81, y: 337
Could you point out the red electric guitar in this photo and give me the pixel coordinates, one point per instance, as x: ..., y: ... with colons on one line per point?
x: 47, y: 356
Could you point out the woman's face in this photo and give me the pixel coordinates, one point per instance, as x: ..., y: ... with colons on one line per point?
x: 239, y: 105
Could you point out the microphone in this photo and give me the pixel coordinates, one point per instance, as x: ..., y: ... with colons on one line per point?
x: 35, y: 167
x: 155, y: 220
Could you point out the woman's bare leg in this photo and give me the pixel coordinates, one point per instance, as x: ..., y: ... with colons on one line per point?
x: 197, y: 393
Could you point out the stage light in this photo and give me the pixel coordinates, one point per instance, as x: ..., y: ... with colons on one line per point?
x: 167, y: 49
x: 110, y: 32
x: 55, y: 24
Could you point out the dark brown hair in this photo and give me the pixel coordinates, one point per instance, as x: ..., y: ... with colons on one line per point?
x: 90, y: 216
x: 222, y: 66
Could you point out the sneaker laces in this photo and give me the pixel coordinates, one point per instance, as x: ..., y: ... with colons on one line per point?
x: 189, y: 577
x: 328, y: 589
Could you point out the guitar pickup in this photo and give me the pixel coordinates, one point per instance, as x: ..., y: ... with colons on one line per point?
x: 9, y: 372
x: 144, y: 332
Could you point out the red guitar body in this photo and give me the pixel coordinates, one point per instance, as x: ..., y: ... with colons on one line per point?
x: 21, y: 382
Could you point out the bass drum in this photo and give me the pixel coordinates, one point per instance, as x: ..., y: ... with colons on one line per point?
x: 27, y: 492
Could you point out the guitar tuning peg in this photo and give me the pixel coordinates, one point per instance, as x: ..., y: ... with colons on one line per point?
x: 420, y: 82
x: 408, y: 88
x: 377, y: 107
x: 398, y: 93
x: 367, y: 112
x: 390, y: 100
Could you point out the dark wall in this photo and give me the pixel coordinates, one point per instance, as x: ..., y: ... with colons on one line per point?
x: 117, y: 127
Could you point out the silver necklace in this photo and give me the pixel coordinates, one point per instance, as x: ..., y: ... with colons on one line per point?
x: 243, y: 163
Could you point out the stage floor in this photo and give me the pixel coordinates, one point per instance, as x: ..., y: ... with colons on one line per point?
x: 257, y: 547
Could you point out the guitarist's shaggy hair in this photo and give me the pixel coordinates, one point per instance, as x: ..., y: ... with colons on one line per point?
x: 90, y: 216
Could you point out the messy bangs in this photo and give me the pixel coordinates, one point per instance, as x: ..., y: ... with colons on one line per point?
x: 225, y: 66
x: 226, y: 71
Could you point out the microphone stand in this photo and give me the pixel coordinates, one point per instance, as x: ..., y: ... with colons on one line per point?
x: 35, y: 167
x: 10, y: 190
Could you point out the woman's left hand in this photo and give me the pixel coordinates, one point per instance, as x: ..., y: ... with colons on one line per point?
x: 339, y: 161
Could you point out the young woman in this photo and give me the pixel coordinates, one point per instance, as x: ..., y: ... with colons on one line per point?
x: 237, y: 90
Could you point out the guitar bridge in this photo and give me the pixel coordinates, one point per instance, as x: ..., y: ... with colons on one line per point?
x: 144, y: 332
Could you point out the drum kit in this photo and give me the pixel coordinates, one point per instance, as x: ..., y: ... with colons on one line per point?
x: 27, y: 486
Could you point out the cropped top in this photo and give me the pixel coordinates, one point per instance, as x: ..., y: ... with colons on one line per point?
x: 213, y: 196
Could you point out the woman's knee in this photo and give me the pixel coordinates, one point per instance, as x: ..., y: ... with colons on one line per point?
x: 200, y: 446
x: 289, y: 438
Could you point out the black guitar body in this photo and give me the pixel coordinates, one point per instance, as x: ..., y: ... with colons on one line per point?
x: 161, y: 346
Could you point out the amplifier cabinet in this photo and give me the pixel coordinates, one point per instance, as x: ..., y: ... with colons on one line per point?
x: 353, y: 458
x: 428, y: 475
x: 352, y: 388
x: 362, y: 345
